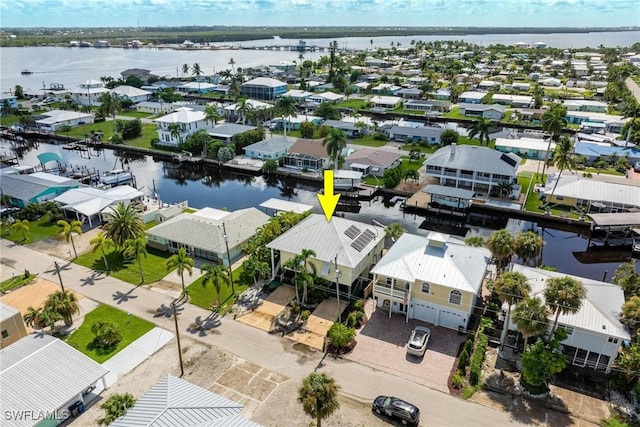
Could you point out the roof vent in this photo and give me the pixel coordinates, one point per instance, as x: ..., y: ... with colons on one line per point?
x: 452, y: 153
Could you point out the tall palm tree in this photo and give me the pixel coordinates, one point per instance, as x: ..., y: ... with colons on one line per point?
x: 307, y: 275
x: 102, y: 243
x: 65, y: 304
x: 563, y: 158
x: 256, y: 268
x: 123, y: 223
x: 181, y: 262
x: 211, y: 115
x: 501, y: 243
x: 175, y: 130
x: 319, y: 396
x: 21, y: 226
x: 110, y: 106
x: 481, y: 128
x: 136, y: 249
x: 530, y: 316
x: 286, y: 107
x: 67, y: 229
x: 511, y: 287
x: 196, y: 71
x: 185, y: 68
x: 553, y: 121
x: 528, y: 246
x: 216, y: 275
x: 293, y: 264
x: 243, y: 109
x: 232, y: 63
x: 335, y: 141
x: 563, y: 295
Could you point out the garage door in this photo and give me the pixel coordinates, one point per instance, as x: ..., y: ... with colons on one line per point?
x: 451, y: 320
x: 424, y: 312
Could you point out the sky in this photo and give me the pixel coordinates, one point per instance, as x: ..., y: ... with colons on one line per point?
x: 477, y: 13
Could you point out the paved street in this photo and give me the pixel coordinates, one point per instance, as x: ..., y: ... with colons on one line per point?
x: 272, y: 351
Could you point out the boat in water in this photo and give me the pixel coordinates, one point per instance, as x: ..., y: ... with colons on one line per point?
x: 116, y: 177
x: 26, y: 72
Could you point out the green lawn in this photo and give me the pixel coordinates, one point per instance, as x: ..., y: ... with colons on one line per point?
x: 154, y: 265
x: 368, y: 141
x: 131, y: 328
x: 16, y: 282
x: 149, y: 133
x: 462, y: 140
x: 134, y: 113
x: 596, y: 171
x: 205, y: 296
x: 356, y: 104
x: 38, y: 230
x: 534, y: 204
x: 8, y: 119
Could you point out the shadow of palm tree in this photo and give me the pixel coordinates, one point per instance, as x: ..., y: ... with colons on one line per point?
x: 167, y: 311
x: 123, y: 297
x: 91, y: 280
x: 202, y: 326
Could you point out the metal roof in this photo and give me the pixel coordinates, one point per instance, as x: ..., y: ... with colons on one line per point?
x: 271, y: 145
x: 600, y: 311
x: 435, y: 259
x: 229, y: 129
x: 264, y: 81
x: 443, y: 190
x: 422, y: 132
x: 326, y: 239
x: 6, y: 311
x: 473, y: 158
x: 372, y: 157
x: 619, y: 218
x: 576, y: 187
x: 41, y: 373
x: 26, y: 187
x: 176, y: 402
x: 285, y: 206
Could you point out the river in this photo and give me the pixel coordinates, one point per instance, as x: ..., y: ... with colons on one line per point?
x: 237, y: 191
x: 72, y: 66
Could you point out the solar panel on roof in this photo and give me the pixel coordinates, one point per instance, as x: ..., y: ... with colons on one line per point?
x: 363, y: 240
x: 508, y: 160
x: 352, y: 232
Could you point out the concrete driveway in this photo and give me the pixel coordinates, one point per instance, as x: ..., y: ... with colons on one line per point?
x: 382, y: 345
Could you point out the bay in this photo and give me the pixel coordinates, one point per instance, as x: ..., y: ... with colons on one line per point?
x: 224, y: 190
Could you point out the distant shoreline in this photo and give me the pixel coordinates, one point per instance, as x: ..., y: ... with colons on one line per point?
x: 25, y: 37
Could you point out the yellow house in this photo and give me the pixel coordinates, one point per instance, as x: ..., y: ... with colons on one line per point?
x: 11, y: 325
x: 355, y: 246
x: 432, y: 279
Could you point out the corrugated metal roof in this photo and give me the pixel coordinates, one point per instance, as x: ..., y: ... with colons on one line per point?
x: 326, y: 239
x: 285, y: 206
x: 577, y: 187
x: 176, y: 402
x: 474, y: 158
x: 600, y: 309
x: 41, y: 373
x: 443, y: 190
x: 446, y: 263
x: 618, y: 218
x: 6, y: 311
x: 26, y: 187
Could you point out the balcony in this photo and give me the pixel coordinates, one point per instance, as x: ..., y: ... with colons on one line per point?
x: 388, y: 291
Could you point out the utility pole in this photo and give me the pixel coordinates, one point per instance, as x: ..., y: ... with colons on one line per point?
x: 338, y: 290
x: 226, y: 242
x: 59, y: 276
x: 175, y: 318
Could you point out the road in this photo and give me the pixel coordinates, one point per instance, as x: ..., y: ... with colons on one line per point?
x: 272, y: 351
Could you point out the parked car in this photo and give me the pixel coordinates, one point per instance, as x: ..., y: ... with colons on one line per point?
x: 405, y: 412
x: 636, y: 166
x: 417, y: 344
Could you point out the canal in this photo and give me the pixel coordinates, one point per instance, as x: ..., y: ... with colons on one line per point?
x: 224, y: 190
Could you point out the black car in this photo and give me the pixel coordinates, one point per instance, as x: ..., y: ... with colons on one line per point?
x: 396, y: 408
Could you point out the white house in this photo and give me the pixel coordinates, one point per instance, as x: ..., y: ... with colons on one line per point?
x: 472, y: 167
x: 433, y: 279
x: 532, y: 148
x: 54, y: 120
x: 331, y: 97
x: 471, y: 97
x: 269, y: 148
x: 131, y: 93
x: 89, y: 93
x: 518, y: 101
x: 386, y: 102
x: 491, y: 112
x: 595, y: 331
x: 189, y: 122
x: 154, y: 107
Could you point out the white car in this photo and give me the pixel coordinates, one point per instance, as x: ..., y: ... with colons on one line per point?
x: 417, y: 345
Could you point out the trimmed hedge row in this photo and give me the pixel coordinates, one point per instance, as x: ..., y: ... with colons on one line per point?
x: 475, y: 370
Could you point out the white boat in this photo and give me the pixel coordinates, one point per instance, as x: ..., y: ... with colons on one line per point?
x: 116, y: 177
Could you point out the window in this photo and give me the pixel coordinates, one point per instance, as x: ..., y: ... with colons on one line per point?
x: 455, y: 297
x: 425, y: 288
x: 613, y: 340
x: 5, y: 334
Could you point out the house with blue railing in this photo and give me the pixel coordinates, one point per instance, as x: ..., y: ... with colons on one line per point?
x: 263, y: 88
x: 9, y: 100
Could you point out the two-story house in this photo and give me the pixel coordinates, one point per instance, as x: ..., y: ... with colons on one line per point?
x: 89, y: 93
x: 432, y: 279
x: 263, y: 88
x: 472, y: 167
x: 189, y: 121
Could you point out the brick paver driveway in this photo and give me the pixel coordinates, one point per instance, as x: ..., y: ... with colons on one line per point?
x: 382, y: 345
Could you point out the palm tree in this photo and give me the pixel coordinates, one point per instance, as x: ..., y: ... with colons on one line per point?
x: 631, y: 312
x: 115, y: 407
x: 256, y: 268
x: 110, y: 106
x: 501, y: 243
x: 530, y: 316
x: 21, y: 226
x: 65, y: 304
x: 563, y: 158
x: 481, y: 128
x: 528, y: 245
x: 102, y: 243
x: 123, y: 223
x: 286, y: 107
x: 319, y: 396
x: 175, y: 130
x: 308, y: 276
x: 185, y: 68
x: 211, y: 115
x: 181, y: 262
x: 553, y: 121
x: 232, y: 63
x: 31, y: 317
x: 510, y: 287
x: 563, y: 295
x: 216, y: 275
x: 293, y: 264
x: 67, y: 229
x: 394, y: 231
x: 196, y: 71
x: 243, y: 109
x: 136, y: 249
x: 335, y: 141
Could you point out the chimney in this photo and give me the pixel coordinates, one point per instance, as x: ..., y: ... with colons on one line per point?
x: 452, y: 153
